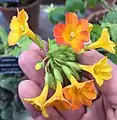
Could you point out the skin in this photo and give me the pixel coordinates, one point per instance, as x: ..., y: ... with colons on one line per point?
x: 103, y: 108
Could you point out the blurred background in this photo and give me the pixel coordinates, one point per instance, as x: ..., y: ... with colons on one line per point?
x: 44, y: 14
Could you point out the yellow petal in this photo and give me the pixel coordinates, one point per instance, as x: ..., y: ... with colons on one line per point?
x: 73, y: 80
x: 44, y: 113
x: 28, y: 32
x: 105, y: 75
x: 88, y: 68
x: 90, y: 27
x: 13, y: 38
x: 15, y: 26
x: 104, y: 42
x: 22, y: 16
x: 99, y: 80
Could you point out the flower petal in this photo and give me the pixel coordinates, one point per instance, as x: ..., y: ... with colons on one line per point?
x: 77, y: 46
x: 90, y: 27
x: 82, y: 25
x: 99, y: 80
x: 30, y: 33
x: 15, y: 26
x: 13, y: 38
x: 22, y: 16
x: 90, y: 91
x: 71, y: 20
x: 58, y: 33
x: 84, y: 36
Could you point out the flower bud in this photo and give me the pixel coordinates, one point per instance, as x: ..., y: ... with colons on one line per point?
x: 67, y: 71
x: 49, y: 78
x: 58, y: 75
x: 38, y: 66
x: 73, y: 65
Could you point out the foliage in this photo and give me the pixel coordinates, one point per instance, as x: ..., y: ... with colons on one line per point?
x: 109, y: 21
x: 22, y: 46
x: 10, y: 104
x: 57, y: 13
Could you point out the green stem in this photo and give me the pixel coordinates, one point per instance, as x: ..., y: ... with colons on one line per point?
x: 55, y: 60
x: 39, y: 42
x: 47, y: 65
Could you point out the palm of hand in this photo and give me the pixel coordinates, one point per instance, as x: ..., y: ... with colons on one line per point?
x: 103, y: 108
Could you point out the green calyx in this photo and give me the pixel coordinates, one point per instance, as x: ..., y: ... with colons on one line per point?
x: 59, y: 64
x: 49, y: 78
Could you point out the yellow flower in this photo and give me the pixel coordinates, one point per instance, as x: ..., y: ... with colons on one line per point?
x: 80, y: 93
x: 104, y: 42
x: 101, y: 70
x: 39, y: 101
x: 19, y: 27
x: 57, y: 100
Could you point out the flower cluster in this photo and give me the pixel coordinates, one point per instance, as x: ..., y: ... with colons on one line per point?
x: 62, y: 70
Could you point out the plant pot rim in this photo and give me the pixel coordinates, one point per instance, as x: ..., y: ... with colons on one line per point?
x: 22, y: 7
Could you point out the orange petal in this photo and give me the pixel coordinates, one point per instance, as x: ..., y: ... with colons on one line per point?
x: 13, y: 38
x: 84, y: 36
x: 22, y: 16
x: 77, y: 103
x: 58, y: 33
x: 77, y: 45
x: 71, y: 20
x: 82, y: 25
x: 68, y: 92
x: 90, y: 91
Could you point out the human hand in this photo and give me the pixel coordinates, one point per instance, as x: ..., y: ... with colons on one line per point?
x: 103, y: 108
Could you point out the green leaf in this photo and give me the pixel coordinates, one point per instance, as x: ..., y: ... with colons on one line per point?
x: 92, y: 3
x: 25, y: 43
x: 112, y: 57
x: 111, y: 17
x: 57, y: 15
x: 112, y: 29
x: 75, y: 5
x: 113, y: 32
x: 10, y: 83
x: 96, y: 32
x: 3, y: 36
x: 16, y: 51
x: 7, y: 113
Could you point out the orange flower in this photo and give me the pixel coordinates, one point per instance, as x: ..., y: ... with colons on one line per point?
x: 80, y: 93
x: 57, y: 100
x: 74, y: 32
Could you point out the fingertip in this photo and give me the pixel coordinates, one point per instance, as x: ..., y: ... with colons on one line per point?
x: 27, y: 62
x: 38, y: 50
x: 29, y: 89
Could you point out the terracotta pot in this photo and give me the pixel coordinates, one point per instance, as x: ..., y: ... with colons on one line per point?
x: 32, y: 10
x: 53, y: 1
